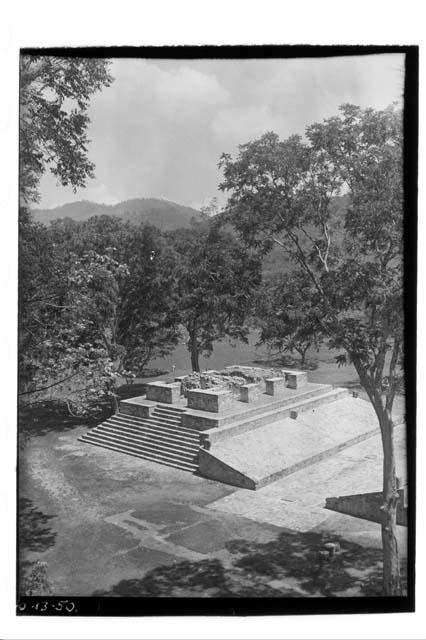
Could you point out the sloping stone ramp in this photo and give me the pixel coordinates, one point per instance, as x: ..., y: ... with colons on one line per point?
x: 256, y: 458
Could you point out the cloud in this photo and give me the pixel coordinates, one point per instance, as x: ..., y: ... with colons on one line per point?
x: 167, y: 91
x: 98, y: 192
x: 240, y: 124
x: 162, y: 126
x: 95, y: 191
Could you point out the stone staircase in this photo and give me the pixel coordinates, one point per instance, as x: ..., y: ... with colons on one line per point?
x: 159, y: 438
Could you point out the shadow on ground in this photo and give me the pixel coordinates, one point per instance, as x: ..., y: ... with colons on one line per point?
x: 35, y: 531
x: 34, y: 534
x: 42, y: 419
x: 131, y: 390
x: 292, y: 565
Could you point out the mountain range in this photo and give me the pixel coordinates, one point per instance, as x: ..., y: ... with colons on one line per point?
x: 162, y: 213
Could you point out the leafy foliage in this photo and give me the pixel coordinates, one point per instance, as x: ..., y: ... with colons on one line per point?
x: 96, y: 304
x: 75, y: 337
x: 54, y: 100
x: 216, y: 277
x: 38, y: 583
x: 150, y: 322
x: 285, y: 316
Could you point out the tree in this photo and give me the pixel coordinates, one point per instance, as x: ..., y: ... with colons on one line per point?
x: 216, y: 277
x: 284, y: 315
x: 99, y: 233
x: 97, y: 299
x: 75, y: 355
x: 54, y: 99
x: 59, y: 290
x: 92, y: 313
x: 211, y: 209
x: 281, y: 192
x: 148, y: 323
x: 42, y: 280
x: 149, y: 320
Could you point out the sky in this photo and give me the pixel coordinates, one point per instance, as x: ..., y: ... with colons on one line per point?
x: 159, y: 130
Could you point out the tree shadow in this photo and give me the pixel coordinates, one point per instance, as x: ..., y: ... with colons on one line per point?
x: 53, y: 415
x: 293, y: 565
x: 138, y: 388
x: 131, y: 390
x: 34, y: 530
x: 302, y: 557
x: 203, y: 578
x: 41, y: 419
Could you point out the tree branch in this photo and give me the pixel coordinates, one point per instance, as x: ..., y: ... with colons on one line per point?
x: 26, y: 393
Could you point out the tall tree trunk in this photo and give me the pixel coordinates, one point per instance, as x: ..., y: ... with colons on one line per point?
x: 195, y: 356
x: 391, y: 568
x: 303, y: 357
x: 193, y: 346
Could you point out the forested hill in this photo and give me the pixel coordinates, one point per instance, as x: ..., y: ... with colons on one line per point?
x: 163, y: 214
x: 167, y: 216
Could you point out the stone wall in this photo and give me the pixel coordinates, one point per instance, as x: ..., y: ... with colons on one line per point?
x: 215, y: 469
x: 214, y: 400
x: 131, y: 408
x: 367, y: 506
x: 249, y: 392
x: 275, y: 386
x: 163, y: 392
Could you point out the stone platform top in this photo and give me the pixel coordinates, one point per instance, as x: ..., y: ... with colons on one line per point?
x: 287, y: 442
x: 240, y: 408
x: 143, y: 400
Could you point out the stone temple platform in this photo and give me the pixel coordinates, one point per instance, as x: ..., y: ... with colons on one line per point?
x: 247, y: 437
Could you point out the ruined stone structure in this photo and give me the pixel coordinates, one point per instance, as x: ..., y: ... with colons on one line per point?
x: 239, y: 435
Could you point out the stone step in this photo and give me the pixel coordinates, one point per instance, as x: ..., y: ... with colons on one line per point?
x: 169, y: 410
x: 151, y: 445
x: 169, y: 419
x: 152, y: 449
x: 300, y: 404
x: 161, y: 431
x: 165, y: 407
x: 242, y: 411
x: 284, y: 402
x: 131, y: 452
x: 143, y: 437
x: 190, y: 434
x: 175, y: 417
x: 161, y: 419
x: 166, y: 419
x: 151, y: 420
